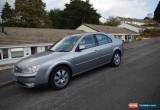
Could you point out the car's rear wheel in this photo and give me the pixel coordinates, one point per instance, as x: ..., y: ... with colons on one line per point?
x: 116, y: 60
x: 60, y: 77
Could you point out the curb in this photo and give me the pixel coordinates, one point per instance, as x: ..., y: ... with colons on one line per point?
x: 6, y: 67
x: 7, y: 83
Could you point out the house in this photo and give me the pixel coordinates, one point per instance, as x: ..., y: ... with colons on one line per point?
x: 132, y: 27
x: 133, y: 21
x: 125, y: 34
x: 22, y: 42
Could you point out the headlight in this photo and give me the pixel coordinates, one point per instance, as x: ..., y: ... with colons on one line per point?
x: 32, y: 69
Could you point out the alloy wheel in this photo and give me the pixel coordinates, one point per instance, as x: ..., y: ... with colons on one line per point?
x: 117, y: 59
x: 61, y: 78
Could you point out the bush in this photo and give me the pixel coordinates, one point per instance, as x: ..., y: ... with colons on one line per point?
x: 152, y: 32
x: 140, y: 37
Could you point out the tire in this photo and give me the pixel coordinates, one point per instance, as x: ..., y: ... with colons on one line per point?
x: 60, y: 77
x: 116, y: 59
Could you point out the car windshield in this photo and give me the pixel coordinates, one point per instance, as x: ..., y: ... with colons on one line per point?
x: 65, y: 45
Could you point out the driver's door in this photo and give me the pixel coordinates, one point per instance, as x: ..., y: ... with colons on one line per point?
x: 85, y: 59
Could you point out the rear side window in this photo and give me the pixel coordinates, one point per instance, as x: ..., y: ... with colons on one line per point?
x: 103, y: 39
x: 88, y: 41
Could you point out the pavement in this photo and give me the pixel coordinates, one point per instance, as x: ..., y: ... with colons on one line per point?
x: 105, y: 88
x: 5, y: 75
x: 5, y: 67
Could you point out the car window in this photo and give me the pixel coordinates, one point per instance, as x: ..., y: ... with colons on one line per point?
x: 88, y: 41
x: 103, y: 39
x: 65, y: 45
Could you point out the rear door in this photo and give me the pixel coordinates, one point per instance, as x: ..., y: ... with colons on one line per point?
x: 104, y: 48
x: 85, y: 59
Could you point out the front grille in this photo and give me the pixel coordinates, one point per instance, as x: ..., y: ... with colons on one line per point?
x: 17, y: 69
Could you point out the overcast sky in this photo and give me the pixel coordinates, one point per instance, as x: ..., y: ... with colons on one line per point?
x: 123, y: 8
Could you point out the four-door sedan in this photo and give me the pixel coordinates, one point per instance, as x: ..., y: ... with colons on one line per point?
x: 70, y: 56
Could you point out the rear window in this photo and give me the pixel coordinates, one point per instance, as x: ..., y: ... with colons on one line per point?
x: 88, y: 41
x: 103, y: 39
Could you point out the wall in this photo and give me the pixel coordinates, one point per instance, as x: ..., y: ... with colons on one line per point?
x: 120, y: 36
x: 27, y: 52
x: 40, y: 49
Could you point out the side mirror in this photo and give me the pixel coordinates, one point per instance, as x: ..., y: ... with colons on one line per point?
x: 81, y: 47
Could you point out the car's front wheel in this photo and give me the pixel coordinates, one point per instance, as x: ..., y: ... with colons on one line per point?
x: 60, y: 77
x: 116, y: 60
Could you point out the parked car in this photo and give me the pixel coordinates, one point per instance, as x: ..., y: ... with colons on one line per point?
x: 73, y: 55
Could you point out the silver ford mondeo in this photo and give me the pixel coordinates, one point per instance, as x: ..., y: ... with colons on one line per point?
x: 73, y: 55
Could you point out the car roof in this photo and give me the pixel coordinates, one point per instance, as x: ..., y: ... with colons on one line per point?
x: 86, y: 33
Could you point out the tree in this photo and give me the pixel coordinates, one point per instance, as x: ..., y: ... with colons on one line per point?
x: 149, y: 21
x: 7, y: 14
x: 78, y: 12
x: 157, y: 13
x: 55, y: 17
x: 112, y: 22
x: 30, y: 13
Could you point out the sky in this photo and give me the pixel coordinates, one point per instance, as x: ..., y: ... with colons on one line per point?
x: 124, y: 8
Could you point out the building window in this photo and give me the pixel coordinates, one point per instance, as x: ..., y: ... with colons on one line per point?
x: 33, y: 50
x: 5, y: 53
x: 17, y: 52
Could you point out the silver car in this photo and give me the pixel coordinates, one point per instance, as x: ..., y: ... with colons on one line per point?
x: 73, y: 55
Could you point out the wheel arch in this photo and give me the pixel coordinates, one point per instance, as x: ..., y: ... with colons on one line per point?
x: 117, y: 50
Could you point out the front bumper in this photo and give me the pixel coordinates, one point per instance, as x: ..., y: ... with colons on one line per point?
x: 25, y: 80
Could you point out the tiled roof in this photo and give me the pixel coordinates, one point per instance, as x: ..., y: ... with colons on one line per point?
x: 110, y: 29
x: 17, y: 35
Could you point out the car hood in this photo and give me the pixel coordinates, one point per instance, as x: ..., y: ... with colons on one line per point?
x: 40, y: 58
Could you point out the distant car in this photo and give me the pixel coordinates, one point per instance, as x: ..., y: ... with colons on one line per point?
x: 73, y: 55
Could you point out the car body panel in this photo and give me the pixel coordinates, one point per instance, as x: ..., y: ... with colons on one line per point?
x: 77, y: 61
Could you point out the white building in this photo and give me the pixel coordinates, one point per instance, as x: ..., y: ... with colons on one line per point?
x: 23, y: 42
x: 125, y: 34
x: 133, y: 21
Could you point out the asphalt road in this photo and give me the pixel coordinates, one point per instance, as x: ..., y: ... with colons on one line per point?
x: 105, y: 88
x: 5, y: 75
